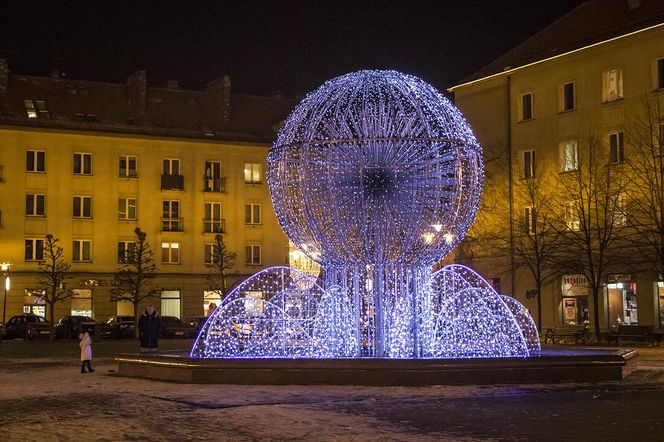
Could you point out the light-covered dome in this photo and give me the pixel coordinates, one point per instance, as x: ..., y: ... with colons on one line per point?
x: 375, y: 167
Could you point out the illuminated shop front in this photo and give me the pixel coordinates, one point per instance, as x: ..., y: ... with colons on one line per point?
x: 33, y: 303
x: 621, y: 294
x: 574, y: 303
x: 659, y: 293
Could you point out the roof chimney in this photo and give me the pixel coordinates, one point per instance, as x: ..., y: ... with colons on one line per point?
x: 172, y: 84
x: 220, y: 91
x: 137, y: 88
x: 4, y: 75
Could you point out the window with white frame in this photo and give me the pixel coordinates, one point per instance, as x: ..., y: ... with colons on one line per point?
x: 209, y: 253
x: 170, y: 220
x: 171, y: 166
x: 616, y: 147
x: 34, y: 249
x: 612, y: 84
x: 82, y: 207
x: 212, y: 223
x: 526, y: 107
x: 170, y: 252
x: 619, y: 211
x: 81, y: 250
x: 252, y: 173
x: 252, y: 213
x: 528, y: 164
x: 529, y: 218
x: 252, y: 255
x: 35, y: 161
x: 128, y: 166
x: 567, y: 96
x: 35, y: 204
x: 170, y: 303
x: 126, y: 251
x: 83, y: 164
x: 127, y: 208
x: 213, y: 181
x: 572, y: 218
x: 569, y: 155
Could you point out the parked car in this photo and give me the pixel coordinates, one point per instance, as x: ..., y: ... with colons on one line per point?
x: 173, y: 327
x: 28, y: 326
x: 3, y: 331
x: 196, y: 321
x: 69, y: 327
x: 120, y: 327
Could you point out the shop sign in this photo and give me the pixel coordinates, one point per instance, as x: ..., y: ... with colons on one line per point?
x: 575, y: 285
x: 619, y: 278
x: 97, y: 283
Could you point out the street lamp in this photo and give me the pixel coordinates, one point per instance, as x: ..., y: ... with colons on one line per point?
x: 5, y: 270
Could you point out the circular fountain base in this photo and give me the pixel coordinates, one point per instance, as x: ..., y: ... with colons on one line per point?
x: 551, y: 365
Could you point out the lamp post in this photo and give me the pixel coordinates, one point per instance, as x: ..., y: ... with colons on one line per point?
x: 5, y: 270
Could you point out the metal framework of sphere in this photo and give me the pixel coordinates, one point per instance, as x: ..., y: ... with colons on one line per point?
x: 376, y: 176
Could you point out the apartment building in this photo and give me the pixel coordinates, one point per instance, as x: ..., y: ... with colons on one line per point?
x: 88, y: 162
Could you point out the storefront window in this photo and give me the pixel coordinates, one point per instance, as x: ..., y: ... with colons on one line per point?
x: 660, y: 297
x: 575, y: 300
x: 33, y: 303
x: 170, y: 303
x: 211, y: 300
x: 81, y: 302
x: 622, y: 303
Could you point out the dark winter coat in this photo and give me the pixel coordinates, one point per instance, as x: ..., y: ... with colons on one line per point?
x: 149, y: 328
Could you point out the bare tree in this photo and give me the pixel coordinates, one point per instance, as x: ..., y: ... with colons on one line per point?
x: 592, y: 211
x: 132, y: 281
x: 222, y: 262
x: 54, y: 271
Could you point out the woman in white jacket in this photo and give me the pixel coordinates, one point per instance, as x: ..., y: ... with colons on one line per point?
x: 86, y: 352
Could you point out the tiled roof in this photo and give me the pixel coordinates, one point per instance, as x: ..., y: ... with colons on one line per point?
x: 591, y: 22
x: 97, y: 106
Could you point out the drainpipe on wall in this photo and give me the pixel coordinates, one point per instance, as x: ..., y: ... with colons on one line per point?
x: 511, y: 190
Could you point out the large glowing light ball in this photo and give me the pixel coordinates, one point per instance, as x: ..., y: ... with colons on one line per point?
x: 375, y: 167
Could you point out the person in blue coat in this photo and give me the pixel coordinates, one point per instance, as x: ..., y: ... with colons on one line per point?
x: 149, y: 328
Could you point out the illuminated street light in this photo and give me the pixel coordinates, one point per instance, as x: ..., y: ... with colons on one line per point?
x: 5, y: 269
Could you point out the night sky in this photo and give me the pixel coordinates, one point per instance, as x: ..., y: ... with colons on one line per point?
x: 266, y: 46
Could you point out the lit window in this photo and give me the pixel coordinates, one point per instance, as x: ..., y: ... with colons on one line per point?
x: 252, y: 255
x: 36, y: 109
x: 252, y: 173
x: 528, y: 166
x: 81, y: 302
x: 81, y: 250
x: 127, y: 208
x: 83, y: 163
x: 34, y: 249
x: 612, y: 85
x: 35, y: 204
x: 35, y: 161
x: 526, y: 107
x: 170, y: 252
x: 82, y: 207
x: 572, y: 214
x: 252, y: 213
x: 616, y: 147
x: 30, y: 108
x: 567, y: 97
x: 569, y: 156
x: 126, y: 250
x: 529, y: 218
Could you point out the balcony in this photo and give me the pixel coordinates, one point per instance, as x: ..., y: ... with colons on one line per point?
x: 214, y: 184
x: 172, y: 224
x: 214, y: 225
x: 172, y: 182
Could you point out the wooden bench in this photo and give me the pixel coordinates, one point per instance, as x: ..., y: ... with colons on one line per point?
x: 577, y: 332
x: 632, y: 333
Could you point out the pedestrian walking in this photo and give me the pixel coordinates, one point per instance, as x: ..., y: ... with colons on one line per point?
x: 86, y: 352
x: 149, y: 328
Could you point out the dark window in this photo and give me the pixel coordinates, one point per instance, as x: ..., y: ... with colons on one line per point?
x: 82, y: 206
x: 616, y: 147
x: 568, y: 97
x: 35, y: 161
x: 35, y: 205
x: 529, y: 164
x: 660, y: 73
x: 527, y: 106
x: 83, y: 163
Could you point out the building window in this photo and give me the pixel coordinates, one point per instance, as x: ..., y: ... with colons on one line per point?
x: 209, y: 253
x: 660, y: 73
x: 34, y: 249
x: 616, y: 147
x: 569, y: 155
x: 81, y: 250
x: 252, y: 255
x: 35, y: 161
x: 35, y: 204
x: 36, y: 109
x: 619, y: 211
x: 170, y: 220
x: 252, y: 173
x: 529, y: 218
x: 213, y: 181
x: 213, y: 223
x: 612, y: 85
x: 83, y: 163
x: 572, y: 215
x: 82, y: 207
x: 170, y: 303
x: 170, y: 252
x: 567, y: 97
x: 127, y: 208
x: 171, y: 166
x: 81, y: 302
x: 526, y: 107
x: 128, y: 166
x: 126, y: 250
x: 171, y: 178
x: 252, y: 213
x: 528, y: 169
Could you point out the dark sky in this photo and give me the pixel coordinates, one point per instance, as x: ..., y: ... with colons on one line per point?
x: 266, y: 46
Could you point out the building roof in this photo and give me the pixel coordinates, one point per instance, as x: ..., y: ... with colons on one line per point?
x: 137, y: 108
x: 589, y: 23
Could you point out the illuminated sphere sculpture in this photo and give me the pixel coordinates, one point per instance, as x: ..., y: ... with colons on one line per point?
x: 375, y: 167
x: 376, y: 176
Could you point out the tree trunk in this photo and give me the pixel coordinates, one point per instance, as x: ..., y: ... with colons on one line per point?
x: 136, y: 318
x: 596, y: 311
x: 539, y: 308
x: 51, y: 310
